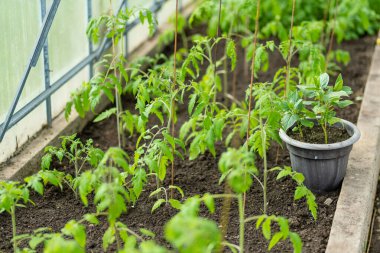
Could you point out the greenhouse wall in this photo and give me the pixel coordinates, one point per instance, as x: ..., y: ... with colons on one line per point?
x: 20, y: 23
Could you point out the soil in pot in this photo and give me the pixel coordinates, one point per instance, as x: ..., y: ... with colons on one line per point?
x: 315, y: 135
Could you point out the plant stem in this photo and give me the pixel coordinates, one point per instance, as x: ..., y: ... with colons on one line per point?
x: 14, y: 232
x: 324, y: 127
x: 289, y: 58
x: 241, y: 221
x: 120, y: 135
x: 300, y: 129
x: 331, y: 36
x: 117, y: 238
x: 76, y: 163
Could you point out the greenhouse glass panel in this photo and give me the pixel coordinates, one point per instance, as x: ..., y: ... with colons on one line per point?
x: 19, y: 26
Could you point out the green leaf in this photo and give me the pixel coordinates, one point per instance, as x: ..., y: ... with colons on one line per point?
x: 155, y: 192
x: 324, y: 80
x: 169, y: 138
x: 35, y: 184
x: 106, y: 114
x: 307, y: 123
x: 91, y: 218
x: 157, y: 204
x: 288, y: 120
x: 178, y: 189
x: 344, y: 103
x: 298, y: 177
x: 231, y: 53
x: 283, y: 173
x: 162, y: 168
x: 147, y: 232
x: 108, y: 237
x: 310, y: 199
x: 275, y: 239
x: 35, y: 241
x: 300, y: 192
x: 77, y: 231
x: 209, y: 202
x: 266, y: 228
x: 284, y: 227
x: 192, y: 103
x: 338, y: 83
x: 46, y: 161
x: 175, y: 203
x: 199, y: 109
x: 296, y: 241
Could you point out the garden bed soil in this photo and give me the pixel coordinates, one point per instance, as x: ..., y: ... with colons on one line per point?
x: 315, y: 135
x: 57, y: 207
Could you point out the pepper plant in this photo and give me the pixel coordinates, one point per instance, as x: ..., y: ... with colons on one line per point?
x: 324, y: 99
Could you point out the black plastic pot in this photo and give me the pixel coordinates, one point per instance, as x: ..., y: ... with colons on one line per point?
x: 323, y: 165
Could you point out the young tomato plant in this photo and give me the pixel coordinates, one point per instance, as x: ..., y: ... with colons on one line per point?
x: 189, y: 233
x: 284, y: 233
x: 75, y: 151
x: 301, y: 191
x: 109, y: 83
x: 155, y: 151
x: 173, y: 202
x: 207, y: 116
x: 267, y: 114
x: 11, y: 196
x: 238, y: 168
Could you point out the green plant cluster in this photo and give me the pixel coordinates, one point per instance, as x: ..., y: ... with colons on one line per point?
x: 113, y: 180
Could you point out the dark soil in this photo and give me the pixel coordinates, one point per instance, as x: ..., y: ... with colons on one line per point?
x: 57, y: 207
x: 315, y: 135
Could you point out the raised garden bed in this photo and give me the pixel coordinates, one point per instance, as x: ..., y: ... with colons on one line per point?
x: 57, y: 207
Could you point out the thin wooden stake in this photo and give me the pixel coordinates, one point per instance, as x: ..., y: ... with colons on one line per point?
x: 252, y: 79
x: 217, y: 34
x: 331, y: 36
x: 289, y: 58
x: 225, y: 215
x: 172, y: 89
x: 325, y: 13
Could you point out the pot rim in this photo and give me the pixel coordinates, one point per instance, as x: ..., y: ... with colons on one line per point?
x: 350, y: 141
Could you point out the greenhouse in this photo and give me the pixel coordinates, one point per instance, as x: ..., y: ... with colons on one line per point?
x: 190, y: 126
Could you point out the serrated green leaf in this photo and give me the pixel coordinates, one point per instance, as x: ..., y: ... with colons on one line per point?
x: 155, y: 192
x: 275, y: 239
x: 175, y: 203
x: 157, y: 204
x: 178, y: 189
x: 296, y: 242
x: 209, y: 202
x: 91, y: 218
x: 147, y: 232
x: 106, y: 114
x: 266, y: 228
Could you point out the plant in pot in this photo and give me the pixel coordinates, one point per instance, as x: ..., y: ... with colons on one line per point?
x: 319, y: 143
